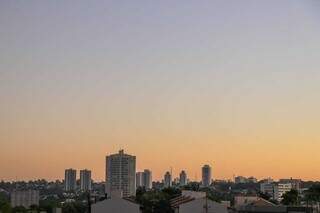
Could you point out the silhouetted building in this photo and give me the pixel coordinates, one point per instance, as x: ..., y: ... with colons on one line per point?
x: 183, y: 178
x: 206, y: 176
x: 167, y: 180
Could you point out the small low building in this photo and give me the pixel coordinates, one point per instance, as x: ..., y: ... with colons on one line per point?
x: 116, y: 204
x: 202, y: 205
x: 263, y: 206
x: 241, y: 200
x: 196, y: 202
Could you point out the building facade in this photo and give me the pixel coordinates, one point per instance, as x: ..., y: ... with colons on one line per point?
x: 85, y: 180
x: 267, y: 188
x: 240, y: 179
x: 183, y: 178
x: 139, y: 179
x: 280, y: 189
x: 70, y: 179
x: 25, y: 198
x: 167, y: 180
x: 121, y: 174
x: 147, y: 179
x: 206, y: 176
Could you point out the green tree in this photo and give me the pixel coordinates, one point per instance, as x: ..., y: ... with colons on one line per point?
x: 290, y: 198
x: 313, y: 193
x: 5, y: 206
x: 75, y: 207
x: 19, y: 209
x: 156, y: 201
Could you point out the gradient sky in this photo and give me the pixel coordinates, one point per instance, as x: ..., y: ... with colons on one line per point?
x: 234, y: 84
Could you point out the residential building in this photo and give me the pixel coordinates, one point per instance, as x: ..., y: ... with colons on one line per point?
x: 240, y: 179
x: 167, y: 180
x: 85, y: 180
x: 196, y: 202
x: 267, y: 188
x: 241, y: 200
x: 183, y: 178
x: 296, y: 183
x: 116, y: 204
x: 121, y: 173
x: 147, y: 179
x: 252, y: 179
x: 70, y: 179
x: 25, y: 198
x: 144, y: 179
x: 280, y: 189
x: 139, y: 179
x: 206, y: 176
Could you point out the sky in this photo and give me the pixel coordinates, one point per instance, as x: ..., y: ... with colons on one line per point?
x: 233, y: 84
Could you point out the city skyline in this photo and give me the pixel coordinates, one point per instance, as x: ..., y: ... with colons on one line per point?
x: 205, y: 173
x: 231, y: 84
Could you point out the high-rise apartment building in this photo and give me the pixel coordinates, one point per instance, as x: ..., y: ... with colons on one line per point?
x: 167, y: 180
x: 139, y: 179
x: 85, y: 180
x: 144, y: 179
x: 206, y: 176
x: 183, y: 178
x: 147, y: 179
x: 121, y: 174
x: 70, y: 179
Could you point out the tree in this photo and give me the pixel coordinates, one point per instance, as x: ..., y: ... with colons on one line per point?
x: 265, y: 196
x: 156, y: 201
x: 313, y: 194
x: 19, y: 209
x: 5, y: 206
x: 290, y: 198
x: 193, y: 186
x: 75, y: 207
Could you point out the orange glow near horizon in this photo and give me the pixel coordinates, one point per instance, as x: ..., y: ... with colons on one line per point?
x: 232, y: 84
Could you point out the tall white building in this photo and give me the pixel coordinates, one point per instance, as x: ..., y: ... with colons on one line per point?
x: 206, y: 176
x: 139, y: 179
x: 144, y: 179
x: 183, y: 178
x: 70, y: 179
x: 85, y: 180
x: 25, y: 198
x: 121, y: 174
x: 147, y: 179
x: 167, y: 180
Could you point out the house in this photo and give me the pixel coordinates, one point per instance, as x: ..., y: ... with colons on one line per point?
x: 263, y: 206
x: 196, y: 202
x: 115, y: 205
